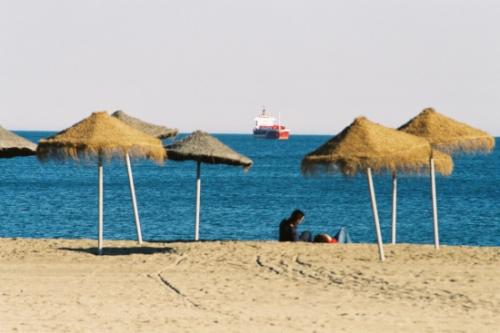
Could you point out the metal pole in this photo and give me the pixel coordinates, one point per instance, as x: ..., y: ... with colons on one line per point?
x: 394, y: 205
x: 375, y: 215
x: 100, y: 205
x: 134, y: 200
x: 434, y: 204
x: 198, y: 194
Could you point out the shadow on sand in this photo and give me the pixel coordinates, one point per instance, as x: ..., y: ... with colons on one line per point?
x: 121, y: 251
x: 184, y: 241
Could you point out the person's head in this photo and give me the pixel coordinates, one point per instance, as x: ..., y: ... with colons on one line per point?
x: 296, y: 217
x: 322, y: 238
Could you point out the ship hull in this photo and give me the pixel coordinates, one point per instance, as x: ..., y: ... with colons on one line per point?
x: 278, y: 135
x: 273, y: 134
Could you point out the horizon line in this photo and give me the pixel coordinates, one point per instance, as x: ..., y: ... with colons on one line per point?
x: 180, y: 132
x: 227, y: 133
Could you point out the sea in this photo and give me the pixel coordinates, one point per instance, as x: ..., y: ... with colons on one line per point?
x: 59, y: 200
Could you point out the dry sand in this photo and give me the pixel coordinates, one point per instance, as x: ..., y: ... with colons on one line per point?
x: 61, y: 286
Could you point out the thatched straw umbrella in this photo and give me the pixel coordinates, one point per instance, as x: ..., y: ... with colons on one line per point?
x: 101, y: 137
x: 365, y: 146
x: 202, y: 147
x: 160, y: 132
x: 157, y: 131
x: 12, y: 145
x: 448, y: 135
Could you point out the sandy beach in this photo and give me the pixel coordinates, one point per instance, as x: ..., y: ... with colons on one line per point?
x: 61, y: 286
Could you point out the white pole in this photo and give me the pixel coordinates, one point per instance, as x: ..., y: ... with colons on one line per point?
x: 375, y: 215
x: 100, y: 205
x: 394, y: 205
x: 434, y: 204
x: 134, y: 200
x: 198, y: 194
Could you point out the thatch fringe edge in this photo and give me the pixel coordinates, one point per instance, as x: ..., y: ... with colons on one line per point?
x: 330, y: 164
x: 13, y: 152
x: 484, y: 144
x: 84, y: 153
x: 207, y: 159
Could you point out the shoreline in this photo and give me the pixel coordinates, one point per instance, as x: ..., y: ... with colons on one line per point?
x: 60, y: 285
x: 264, y: 241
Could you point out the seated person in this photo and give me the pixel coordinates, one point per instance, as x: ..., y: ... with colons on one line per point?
x: 288, y: 228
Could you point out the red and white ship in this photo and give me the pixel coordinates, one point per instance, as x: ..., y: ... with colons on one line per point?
x: 267, y: 127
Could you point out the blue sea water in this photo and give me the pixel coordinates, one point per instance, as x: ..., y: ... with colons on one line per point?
x: 56, y: 200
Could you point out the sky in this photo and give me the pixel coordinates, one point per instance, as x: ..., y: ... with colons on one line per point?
x: 212, y: 65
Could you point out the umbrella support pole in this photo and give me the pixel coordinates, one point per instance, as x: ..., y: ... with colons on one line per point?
x: 133, y: 197
x: 434, y: 204
x: 198, y: 194
x: 100, y: 206
x: 375, y: 215
x: 394, y: 205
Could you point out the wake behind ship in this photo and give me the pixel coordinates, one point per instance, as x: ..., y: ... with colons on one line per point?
x: 266, y: 127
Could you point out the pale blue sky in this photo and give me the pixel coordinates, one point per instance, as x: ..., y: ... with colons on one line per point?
x: 212, y: 64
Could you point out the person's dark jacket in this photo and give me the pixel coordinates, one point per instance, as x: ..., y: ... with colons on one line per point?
x: 288, y: 232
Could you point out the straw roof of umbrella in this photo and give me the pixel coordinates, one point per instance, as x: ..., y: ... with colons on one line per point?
x: 202, y: 147
x: 365, y: 144
x: 157, y: 131
x: 100, y: 135
x: 447, y: 134
x: 12, y: 145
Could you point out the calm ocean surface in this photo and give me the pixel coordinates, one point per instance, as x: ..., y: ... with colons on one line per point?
x: 60, y: 200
